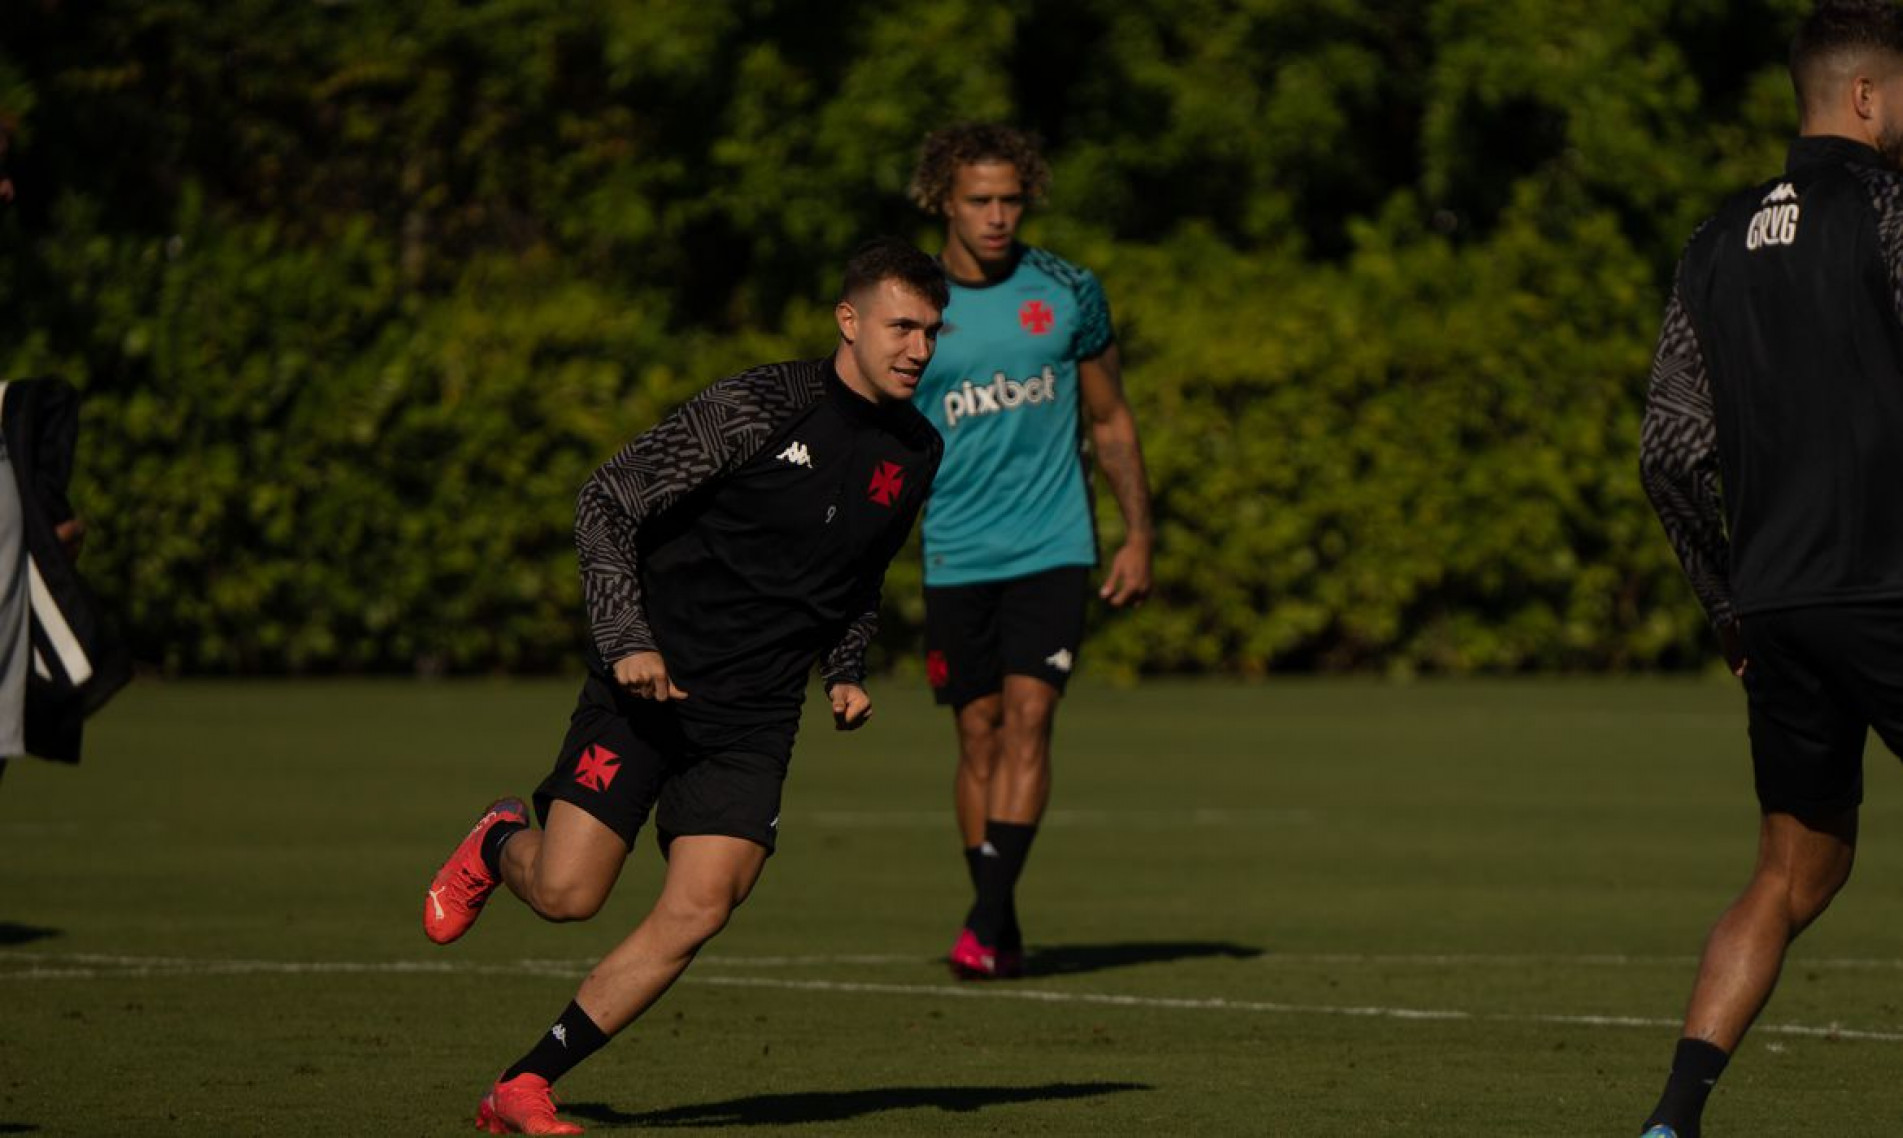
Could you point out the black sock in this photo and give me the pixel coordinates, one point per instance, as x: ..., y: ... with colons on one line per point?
x: 1000, y: 861
x: 1010, y: 937
x: 573, y: 1038
x: 492, y: 843
x: 1696, y: 1066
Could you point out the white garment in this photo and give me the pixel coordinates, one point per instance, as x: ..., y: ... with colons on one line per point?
x: 16, y: 645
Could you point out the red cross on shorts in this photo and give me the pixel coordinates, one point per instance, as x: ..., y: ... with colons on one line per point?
x: 1037, y: 317
x: 887, y: 481
x: 598, y: 767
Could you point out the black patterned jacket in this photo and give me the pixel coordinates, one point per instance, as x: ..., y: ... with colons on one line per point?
x: 746, y: 536
x: 1772, y: 446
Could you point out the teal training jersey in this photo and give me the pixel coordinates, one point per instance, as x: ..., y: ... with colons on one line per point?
x: 1011, y: 497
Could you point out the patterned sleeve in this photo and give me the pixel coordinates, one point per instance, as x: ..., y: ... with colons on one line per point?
x: 1678, y: 462
x: 711, y: 435
x: 1094, y: 333
x: 1885, y: 188
x: 846, y: 663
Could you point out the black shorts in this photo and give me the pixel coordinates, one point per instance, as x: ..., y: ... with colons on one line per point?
x: 624, y: 757
x: 975, y: 635
x: 1817, y: 680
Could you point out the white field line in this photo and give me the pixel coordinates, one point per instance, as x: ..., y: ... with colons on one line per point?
x: 821, y: 960
x: 1601, y: 960
x: 85, y: 966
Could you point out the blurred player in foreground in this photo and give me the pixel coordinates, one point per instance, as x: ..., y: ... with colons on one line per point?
x: 1771, y: 450
x: 723, y: 554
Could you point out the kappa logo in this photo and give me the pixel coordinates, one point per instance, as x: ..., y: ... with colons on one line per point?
x: 887, y: 481
x: 1061, y: 660
x: 798, y: 455
x: 1000, y: 395
x: 1785, y: 192
x: 598, y: 767
x: 1037, y: 317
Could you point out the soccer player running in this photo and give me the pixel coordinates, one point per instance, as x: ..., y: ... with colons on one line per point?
x: 1771, y: 451
x: 723, y: 553
x: 1026, y: 368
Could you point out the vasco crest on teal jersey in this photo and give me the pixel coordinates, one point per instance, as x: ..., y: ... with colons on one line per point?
x: 1011, y: 497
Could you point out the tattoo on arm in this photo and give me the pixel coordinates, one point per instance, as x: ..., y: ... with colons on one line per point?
x: 1113, y: 436
x: 1121, y: 458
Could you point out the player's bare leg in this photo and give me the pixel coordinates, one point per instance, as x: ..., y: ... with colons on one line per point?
x: 708, y: 876
x: 980, y: 735
x: 1021, y: 782
x: 1802, y: 864
x: 566, y: 870
x: 1017, y: 736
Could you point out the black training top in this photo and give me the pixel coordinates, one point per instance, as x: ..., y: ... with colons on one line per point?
x: 1779, y: 377
x: 746, y: 536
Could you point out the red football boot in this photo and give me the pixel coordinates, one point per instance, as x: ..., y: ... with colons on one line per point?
x: 523, y: 1105
x: 970, y: 960
x: 463, y: 885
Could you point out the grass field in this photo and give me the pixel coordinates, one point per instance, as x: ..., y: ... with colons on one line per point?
x: 1299, y: 908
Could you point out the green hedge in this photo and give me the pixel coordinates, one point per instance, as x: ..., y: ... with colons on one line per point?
x: 359, y: 294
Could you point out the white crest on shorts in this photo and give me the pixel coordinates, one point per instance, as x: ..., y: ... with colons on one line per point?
x: 1061, y: 660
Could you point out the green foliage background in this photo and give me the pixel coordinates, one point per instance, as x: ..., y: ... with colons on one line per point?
x: 359, y: 293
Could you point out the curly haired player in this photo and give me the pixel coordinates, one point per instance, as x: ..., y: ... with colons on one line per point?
x: 1026, y: 371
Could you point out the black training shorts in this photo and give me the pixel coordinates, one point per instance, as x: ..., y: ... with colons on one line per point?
x: 1818, y: 679
x: 975, y: 635
x: 625, y: 756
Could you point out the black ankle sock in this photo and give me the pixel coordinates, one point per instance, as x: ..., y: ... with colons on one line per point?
x: 1696, y: 1066
x: 1000, y: 861
x: 573, y: 1038
x: 492, y: 843
x: 1010, y: 937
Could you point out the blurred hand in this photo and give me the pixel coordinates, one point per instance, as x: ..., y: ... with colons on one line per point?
x: 1731, y: 643
x: 851, y: 706
x: 1128, y: 581
x: 72, y: 535
x: 644, y: 675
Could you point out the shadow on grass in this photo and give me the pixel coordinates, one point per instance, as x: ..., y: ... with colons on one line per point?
x: 1072, y: 959
x: 18, y: 1128
x: 12, y: 934
x: 838, y: 1106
